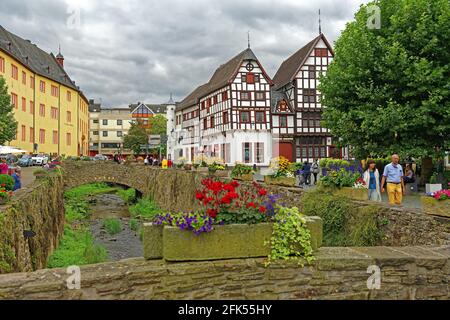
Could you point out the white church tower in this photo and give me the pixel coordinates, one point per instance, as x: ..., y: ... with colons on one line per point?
x: 171, y: 139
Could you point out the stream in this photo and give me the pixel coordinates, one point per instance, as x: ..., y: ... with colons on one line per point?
x: 123, y: 245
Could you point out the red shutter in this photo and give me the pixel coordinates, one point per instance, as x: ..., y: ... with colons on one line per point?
x: 250, y: 78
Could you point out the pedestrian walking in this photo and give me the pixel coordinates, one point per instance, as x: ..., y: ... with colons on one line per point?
x: 17, y: 178
x: 372, y: 179
x: 393, y: 176
x: 3, y: 166
x: 306, y: 173
x: 315, y: 170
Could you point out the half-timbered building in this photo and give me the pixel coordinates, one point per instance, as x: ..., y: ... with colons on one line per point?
x: 241, y: 115
x: 297, y: 114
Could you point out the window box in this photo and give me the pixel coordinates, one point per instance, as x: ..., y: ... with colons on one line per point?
x: 435, y: 207
x: 224, y: 242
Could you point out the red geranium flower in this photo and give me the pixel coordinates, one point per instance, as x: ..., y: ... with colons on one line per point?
x: 212, y: 213
x: 3, y: 184
x: 251, y: 205
x: 200, y: 196
x: 262, y: 192
x: 234, y: 183
x: 262, y: 209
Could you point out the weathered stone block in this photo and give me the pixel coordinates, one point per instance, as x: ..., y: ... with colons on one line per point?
x: 152, y: 240
x: 225, y: 242
x: 435, y: 207
x: 280, y: 181
x: 352, y: 193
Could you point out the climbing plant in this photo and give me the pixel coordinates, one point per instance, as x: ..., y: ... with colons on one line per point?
x: 291, y: 239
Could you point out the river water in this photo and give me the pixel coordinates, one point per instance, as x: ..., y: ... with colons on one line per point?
x: 123, y: 245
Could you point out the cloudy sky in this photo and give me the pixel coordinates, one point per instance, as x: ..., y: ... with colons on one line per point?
x: 122, y: 52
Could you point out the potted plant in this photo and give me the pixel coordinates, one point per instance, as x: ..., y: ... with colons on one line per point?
x: 188, y: 167
x: 217, y: 169
x: 433, y: 186
x: 242, y: 172
x: 6, y: 187
x: 283, y: 174
x: 345, y: 181
x: 231, y: 223
x: 437, y: 203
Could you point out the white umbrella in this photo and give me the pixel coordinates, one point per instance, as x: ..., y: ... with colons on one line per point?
x: 8, y: 150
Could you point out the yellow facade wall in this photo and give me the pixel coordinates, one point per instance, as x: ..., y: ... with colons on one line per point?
x: 69, y: 130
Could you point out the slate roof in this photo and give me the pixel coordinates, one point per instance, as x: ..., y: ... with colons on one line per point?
x: 156, y: 108
x: 290, y: 67
x: 221, y: 77
x: 37, y: 60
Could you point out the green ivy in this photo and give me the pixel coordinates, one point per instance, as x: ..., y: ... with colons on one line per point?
x: 291, y: 239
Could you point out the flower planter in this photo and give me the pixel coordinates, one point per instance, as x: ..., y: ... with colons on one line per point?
x: 280, y: 181
x: 352, y: 193
x: 222, y: 173
x: 244, y: 177
x: 435, y: 207
x: 224, y: 242
x: 202, y: 169
x: 152, y: 240
x: 432, y: 187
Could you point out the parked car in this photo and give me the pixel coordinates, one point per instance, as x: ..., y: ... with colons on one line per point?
x: 25, y: 161
x: 10, y: 158
x: 100, y: 157
x: 40, y: 159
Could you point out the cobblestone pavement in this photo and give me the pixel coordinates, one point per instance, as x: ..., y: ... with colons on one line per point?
x: 27, y: 175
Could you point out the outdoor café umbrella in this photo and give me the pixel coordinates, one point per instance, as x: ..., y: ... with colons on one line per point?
x: 10, y: 150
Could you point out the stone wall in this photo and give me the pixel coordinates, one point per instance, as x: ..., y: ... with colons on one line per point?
x: 337, y: 273
x: 174, y: 190
x: 39, y: 208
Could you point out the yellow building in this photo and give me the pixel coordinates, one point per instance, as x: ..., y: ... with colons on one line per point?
x: 51, y: 111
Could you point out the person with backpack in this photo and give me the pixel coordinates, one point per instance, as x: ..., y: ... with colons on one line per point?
x: 306, y: 173
x: 315, y: 170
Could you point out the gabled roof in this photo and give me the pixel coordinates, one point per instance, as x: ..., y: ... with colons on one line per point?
x: 193, y: 97
x: 290, y: 67
x: 153, y: 108
x: 223, y: 76
x: 276, y: 96
x: 37, y: 60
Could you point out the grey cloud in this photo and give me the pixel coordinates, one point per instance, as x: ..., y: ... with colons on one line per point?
x: 129, y: 51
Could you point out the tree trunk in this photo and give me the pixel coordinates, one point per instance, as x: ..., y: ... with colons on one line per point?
x: 427, y: 170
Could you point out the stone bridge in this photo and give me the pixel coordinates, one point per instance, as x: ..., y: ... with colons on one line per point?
x: 415, y: 256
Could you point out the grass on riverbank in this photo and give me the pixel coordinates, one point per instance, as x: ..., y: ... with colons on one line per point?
x: 112, y: 226
x: 145, y: 209
x: 77, y: 248
x: 77, y: 245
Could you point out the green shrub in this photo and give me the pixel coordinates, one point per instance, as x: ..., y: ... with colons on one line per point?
x: 144, y: 209
x: 76, y: 211
x: 344, y: 224
x: 127, y: 195
x: 8, y: 181
x: 76, y: 248
x: 88, y: 190
x: 112, y: 226
x: 240, y: 169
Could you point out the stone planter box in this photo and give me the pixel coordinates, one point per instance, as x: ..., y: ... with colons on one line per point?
x: 224, y: 242
x: 202, y: 169
x: 435, y: 207
x: 354, y: 194
x: 432, y: 187
x: 152, y: 240
x: 280, y: 181
x: 244, y: 177
x: 222, y: 173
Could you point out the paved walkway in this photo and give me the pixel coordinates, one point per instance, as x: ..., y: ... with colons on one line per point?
x: 27, y: 175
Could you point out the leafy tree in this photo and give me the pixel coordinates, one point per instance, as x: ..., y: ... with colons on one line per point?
x: 8, y: 126
x: 158, y: 124
x: 387, y: 89
x: 136, y: 137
